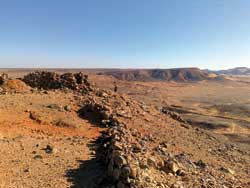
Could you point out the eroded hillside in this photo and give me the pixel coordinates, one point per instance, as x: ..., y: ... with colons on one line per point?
x: 179, y: 75
x: 77, y: 135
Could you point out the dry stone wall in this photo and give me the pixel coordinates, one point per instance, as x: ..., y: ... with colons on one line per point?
x: 52, y: 80
x: 120, y: 148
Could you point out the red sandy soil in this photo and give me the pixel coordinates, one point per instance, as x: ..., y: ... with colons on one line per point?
x: 23, y: 139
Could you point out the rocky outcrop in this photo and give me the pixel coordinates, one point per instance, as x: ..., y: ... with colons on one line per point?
x: 52, y: 80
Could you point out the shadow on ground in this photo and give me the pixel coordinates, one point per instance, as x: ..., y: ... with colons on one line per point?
x: 240, y: 138
x: 207, y: 125
x: 91, y: 172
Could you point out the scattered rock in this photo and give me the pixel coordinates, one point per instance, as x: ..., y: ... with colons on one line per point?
x: 120, y: 161
x: 227, y: 170
x: 36, y: 117
x: 38, y: 157
x: 67, y: 108
x: 171, y: 167
x: 48, y: 149
x: 200, y: 164
x: 54, y: 106
x: 63, y: 123
x: 26, y: 170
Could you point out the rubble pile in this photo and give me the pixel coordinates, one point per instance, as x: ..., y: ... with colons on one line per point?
x: 52, y: 80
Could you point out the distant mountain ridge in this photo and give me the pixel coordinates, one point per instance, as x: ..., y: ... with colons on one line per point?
x: 178, y: 74
x: 238, y: 71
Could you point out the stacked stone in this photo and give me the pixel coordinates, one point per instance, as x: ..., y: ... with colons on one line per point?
x: 103, y: 114
x: 82, y: 79
x: 43, y: 80
x: 116, y: 149
x: 52, y: 80
x: 118, y: 158
x: 129, y: 162
x: 68, y: 80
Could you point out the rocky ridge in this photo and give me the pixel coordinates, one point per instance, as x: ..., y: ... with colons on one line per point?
x: 135, y: 157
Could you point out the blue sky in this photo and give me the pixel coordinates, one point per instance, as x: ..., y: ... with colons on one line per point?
x: 211, y: 34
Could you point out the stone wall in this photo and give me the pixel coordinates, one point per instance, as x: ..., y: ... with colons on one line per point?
x: 52, y: 80
x: 116, y: 144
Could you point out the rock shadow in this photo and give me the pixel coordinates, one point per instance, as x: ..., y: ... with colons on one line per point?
x: 90, y: 173
x: 239, y: 138
x: 94, y: 117
x: 206, y: 125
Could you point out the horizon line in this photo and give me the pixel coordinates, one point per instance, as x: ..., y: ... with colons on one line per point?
x: 115, y: 68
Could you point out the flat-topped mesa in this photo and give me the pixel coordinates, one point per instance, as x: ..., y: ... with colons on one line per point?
x: 178, y: 74
x: 52, y: 80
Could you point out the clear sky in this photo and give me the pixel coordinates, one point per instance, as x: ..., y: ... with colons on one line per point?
x: 211, y: 34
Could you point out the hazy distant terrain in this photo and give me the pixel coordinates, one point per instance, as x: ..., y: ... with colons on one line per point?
x: 175, y: 74
x: 238, y: 71
x: 179, y: 75
x: 218, y: 105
